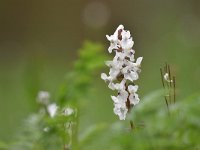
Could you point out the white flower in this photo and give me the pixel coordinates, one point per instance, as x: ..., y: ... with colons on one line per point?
x: 133, y: 97
x: 126, y: 42
x: 166, y: 77
x: 46, y: 129
x: 121, y: 110
x: 114, y: 44
x: 119, y: 57
x: 114, y: 37
x: 43, y: 97
x: 52, y: 109
x: 130, y: 54
x: 122, y: 97
x: 130, y: 75
x: 111, y: 86
x: 105, y: 77
x: 129, y: 71
x: 114, y: 72
x: 117, y: 86
x: 68, y: 111
x: 132, y: 89
x: 138, y: 61
x: 120, y: 86
x: 123, y: 67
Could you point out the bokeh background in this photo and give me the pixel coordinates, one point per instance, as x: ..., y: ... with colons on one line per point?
x: 39, y: 40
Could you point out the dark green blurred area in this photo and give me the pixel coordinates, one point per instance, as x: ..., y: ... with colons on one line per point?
x: 39, y: 42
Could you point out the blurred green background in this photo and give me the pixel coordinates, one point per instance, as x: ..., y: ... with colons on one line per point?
x: 39, y: 40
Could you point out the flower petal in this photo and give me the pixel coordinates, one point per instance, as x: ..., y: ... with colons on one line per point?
x: 132, y: 89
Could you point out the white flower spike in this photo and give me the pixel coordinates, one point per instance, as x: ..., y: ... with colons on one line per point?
x: 123, y: 69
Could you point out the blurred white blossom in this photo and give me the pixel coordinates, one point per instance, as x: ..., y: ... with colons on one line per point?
x: 43, y: 97
x: 123, y: 68
x: 52, y: 109
x: 68, y: 111
x: 46, y: 129
x: 166, y: 77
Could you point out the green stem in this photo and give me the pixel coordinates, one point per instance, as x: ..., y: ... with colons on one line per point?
x: 75, y: 131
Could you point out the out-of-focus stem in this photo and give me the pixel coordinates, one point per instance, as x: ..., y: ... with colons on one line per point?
x: 174, y: 88
x: 162, y: 77
x: 167, y: 104
x: 170, y: 79
x: 169, y: 85
x: 75, y: 128
x: 132, y: 125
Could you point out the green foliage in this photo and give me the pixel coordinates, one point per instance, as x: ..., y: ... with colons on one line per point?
x: 155, y: 128
x: 78, y: 81
x: 40, y: 131
x: 3, y: 145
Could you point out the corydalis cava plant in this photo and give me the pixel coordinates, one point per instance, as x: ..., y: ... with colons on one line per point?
x: 124, y: 70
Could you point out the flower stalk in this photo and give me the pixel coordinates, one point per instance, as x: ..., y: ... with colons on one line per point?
x: 169, y: 85
x: 124, y: 70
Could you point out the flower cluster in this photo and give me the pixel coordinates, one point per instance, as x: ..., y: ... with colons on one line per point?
x: 124, y: 69
x: 43, y: 98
